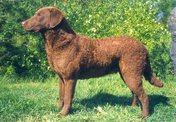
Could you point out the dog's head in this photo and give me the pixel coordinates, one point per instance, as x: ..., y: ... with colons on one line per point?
x: 44, y: 18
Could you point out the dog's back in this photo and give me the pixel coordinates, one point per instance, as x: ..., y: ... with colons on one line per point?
x: 102, y: 56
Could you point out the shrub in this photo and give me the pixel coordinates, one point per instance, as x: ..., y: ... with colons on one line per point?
x: 21, y: 53
x: 113, y: 18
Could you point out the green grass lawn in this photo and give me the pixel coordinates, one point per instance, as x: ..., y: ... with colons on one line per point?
x: 104, y: 99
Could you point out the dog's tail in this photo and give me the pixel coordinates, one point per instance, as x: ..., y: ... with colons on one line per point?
x: 150, y: 77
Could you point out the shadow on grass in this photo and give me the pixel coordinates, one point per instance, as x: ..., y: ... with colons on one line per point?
x: 156, y: 100
x: 104, y: 99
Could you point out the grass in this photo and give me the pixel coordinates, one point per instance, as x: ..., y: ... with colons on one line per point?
x: 104, y: 99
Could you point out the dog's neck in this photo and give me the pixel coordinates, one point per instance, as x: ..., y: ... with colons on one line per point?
x: 62, y: 34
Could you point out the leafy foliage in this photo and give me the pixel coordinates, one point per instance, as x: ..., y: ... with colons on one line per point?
x: 136, y: 19
x: 23, y: 52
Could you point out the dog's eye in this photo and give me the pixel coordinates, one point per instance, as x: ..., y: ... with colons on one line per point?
x: 38, y: 14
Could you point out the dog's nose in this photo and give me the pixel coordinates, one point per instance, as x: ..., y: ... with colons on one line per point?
x: 22, y: 23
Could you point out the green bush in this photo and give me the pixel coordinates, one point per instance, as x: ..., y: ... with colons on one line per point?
x: 22, y: 53
x: 104, y: 18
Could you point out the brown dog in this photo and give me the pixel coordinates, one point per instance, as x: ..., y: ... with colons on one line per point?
x: 73, y: 56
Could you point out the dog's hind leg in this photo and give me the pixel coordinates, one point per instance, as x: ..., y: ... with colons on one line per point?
x: 135, y: 99
x: 135, y: 85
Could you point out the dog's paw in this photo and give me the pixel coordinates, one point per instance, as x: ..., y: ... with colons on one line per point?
x: 64, y: 112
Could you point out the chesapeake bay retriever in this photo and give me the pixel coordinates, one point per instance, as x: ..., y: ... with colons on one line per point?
x: 73, y: 56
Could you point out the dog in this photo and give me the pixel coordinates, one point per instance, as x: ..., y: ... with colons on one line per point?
x: 73, y: 56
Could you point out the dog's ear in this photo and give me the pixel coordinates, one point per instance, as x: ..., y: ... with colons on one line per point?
x: 55, y: 17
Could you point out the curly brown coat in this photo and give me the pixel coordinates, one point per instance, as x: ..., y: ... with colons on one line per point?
x: 73, y: 56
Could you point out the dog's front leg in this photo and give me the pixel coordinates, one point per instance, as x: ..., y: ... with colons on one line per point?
x: 68, y: 96
x: 61, y: 93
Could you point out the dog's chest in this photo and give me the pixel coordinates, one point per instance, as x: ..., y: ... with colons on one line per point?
x: 53, y: 57
x: 59, y: 59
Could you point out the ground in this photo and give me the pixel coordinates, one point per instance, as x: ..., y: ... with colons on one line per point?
x: 105, y: 99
